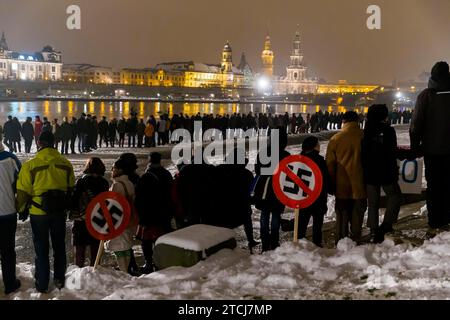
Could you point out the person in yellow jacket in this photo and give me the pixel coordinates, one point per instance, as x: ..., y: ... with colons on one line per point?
x: 44, y: 186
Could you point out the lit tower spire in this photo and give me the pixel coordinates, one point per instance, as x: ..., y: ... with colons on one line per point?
x: 3, y: 44
x: 267, y: 58
x: 296, y: 71
x: 297, y: 55
x: 227, y: 58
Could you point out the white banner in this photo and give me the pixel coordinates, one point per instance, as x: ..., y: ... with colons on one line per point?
x: 410, y: 176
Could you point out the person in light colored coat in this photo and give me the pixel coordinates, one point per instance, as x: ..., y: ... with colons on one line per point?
x: 9, y: 169
x: 122, y: 244
x: 346, y: 172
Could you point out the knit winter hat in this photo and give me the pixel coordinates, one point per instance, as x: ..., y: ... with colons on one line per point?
x: 47, y: 139
x: 309, y: 143
x: 440, y: 71
x: 377, y: 113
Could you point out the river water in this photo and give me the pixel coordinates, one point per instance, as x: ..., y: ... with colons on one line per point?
x: 60, y: 109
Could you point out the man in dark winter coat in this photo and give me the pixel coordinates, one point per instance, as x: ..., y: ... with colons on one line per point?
x: 47, y: 126
x: 16, y: 137
x: 38, y: 125
x: 193, y: 194
x: 234, y: 182
x: 73, y: 138
x: 272, y: 208
x: 8, y: 134
x: 429, y: 132
x: 140, y: 133
x: 94, y: 128
x: 154, y: 207
x: 112, y: 132
x: 66, y: 135
x: 122, y: 129
x: 311, y: 149
x: 28, y: 134
x: 103, y: 131
x: 379, y: 160
x: 82, y: 130
x: 132, y: 130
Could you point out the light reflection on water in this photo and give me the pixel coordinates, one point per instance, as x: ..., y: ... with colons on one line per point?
x: 60, y: 109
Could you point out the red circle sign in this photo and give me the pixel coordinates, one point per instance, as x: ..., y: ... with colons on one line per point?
x: 108, y: 215
x: 297, y: 182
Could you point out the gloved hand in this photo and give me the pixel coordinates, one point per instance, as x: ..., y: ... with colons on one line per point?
x: 23, y: 216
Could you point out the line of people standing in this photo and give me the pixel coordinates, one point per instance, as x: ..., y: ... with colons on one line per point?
x: 91, y: 133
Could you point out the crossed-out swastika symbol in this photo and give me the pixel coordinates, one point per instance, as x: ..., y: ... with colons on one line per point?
x: 297, y: 182
x: 107, y: 216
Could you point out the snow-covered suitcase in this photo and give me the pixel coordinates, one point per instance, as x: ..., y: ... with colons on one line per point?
x: 186, y: 247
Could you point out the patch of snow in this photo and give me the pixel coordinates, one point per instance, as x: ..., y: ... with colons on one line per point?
x: 197, y: 238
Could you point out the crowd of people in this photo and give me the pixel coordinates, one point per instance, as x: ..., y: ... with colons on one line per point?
x: 359, y: 163
x: 87, y: 133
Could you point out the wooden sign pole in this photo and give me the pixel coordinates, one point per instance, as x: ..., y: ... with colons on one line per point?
x: 101, y: 247
x: 297, y: 217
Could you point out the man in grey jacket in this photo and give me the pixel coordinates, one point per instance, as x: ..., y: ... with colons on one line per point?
x: 9, y: 169
x: 430, y: 132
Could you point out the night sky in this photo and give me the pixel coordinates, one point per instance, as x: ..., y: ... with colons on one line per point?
x: 335, y: 39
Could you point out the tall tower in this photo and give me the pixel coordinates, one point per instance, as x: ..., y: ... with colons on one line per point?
x: 296, y: 71
x: 247, y: 70
x: 267, y: 58
x: 3, y: 44
x: 227, y: 59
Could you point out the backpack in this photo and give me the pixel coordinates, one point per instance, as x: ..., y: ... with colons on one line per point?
x: 259, y: 190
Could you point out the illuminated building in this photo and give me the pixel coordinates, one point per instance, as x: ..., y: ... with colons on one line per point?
x: 45, y: 65
x: 188, y: 74
x: 344, y: 87
x: 295, y: 81
x: 151, y: 77
x: 87, y: 73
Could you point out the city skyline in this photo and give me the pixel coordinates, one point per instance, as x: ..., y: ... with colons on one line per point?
x: 334, y: 38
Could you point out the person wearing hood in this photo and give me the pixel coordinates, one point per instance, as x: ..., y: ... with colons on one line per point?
x: 429, y: 132
x: 379, y: 159
x: 9, y: 169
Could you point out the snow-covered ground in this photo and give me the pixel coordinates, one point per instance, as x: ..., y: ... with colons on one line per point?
x: 293, y: 271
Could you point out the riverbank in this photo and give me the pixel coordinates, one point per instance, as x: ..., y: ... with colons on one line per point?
x: 276, y: 100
